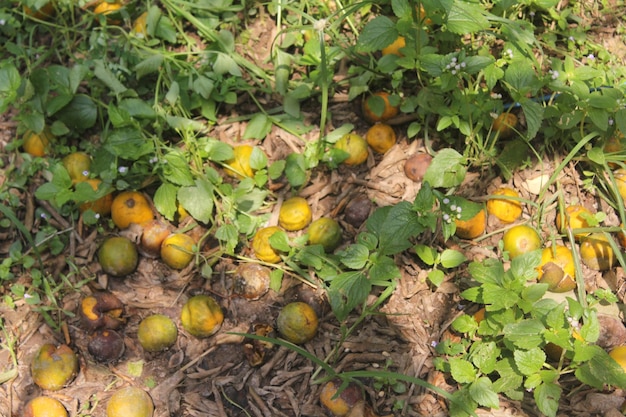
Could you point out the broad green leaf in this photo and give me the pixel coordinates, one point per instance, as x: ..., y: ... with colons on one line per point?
x: 10, y: 82
x: 148, y: 65
x: 128, y: 143
x: 138, y: 108
x: 529, y: 361
x: 346, y: 291
x: 465, y: 323
x: 354, y: 256
x: 488, y: 271
x: 524, y: 267
x: 485, y: 356
x: 509, y: 379
x: 108, y: 78
x: 282, y: 71
x: 446, y: 170
x: 276, y: 279
x: 499, y: 297
x: 280, y: 241
x: 258, y: 127
x: 176, y: 168
x: 224, y: 64
x: 525, y: 334
x: 474, y: 64
x: 394, y: 226
x: 218, y: 151
x: 165, y: 200
x: 482, y: 392
x: 295, y: 169
x: 227, y: 234
x: 183, y: 123
x: 533, y: 112
x: 451, y: 258
x: 198, y: 200
x: 377, y: 34
x: 80, y: 114
x: 427, y: 254
x: 383, y: 269
x: 601, y: 370
x: 547, y: 397
x: 465, y: 17
x: 462, y: 371
x: 436, y: 277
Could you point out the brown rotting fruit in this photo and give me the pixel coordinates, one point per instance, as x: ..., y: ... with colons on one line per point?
x: 342, y: 403
x: 106, y: 345
x: 102, y: 310
x: 416, y: 165
x: 251, y: 280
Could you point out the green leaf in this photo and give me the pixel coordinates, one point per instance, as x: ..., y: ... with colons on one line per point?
x: 280, y: 241
x: 465, y: 18
x: 354, y: 256
x: 462, y: 371
x: 451, y: 258
x: 524, y: 267
x: 165, y: 200
x: 547, y: 397
x: 149, y: 65
x: 488, y: 271
x: 80, y: 114
x: 176, y: 168
x: 346, y: 291
x: 9, y: 84
x: 218, y: 151
x: 510, y: 379
x: 377, y: 34
x: 258, y: 127
x: 533, y: 112
x: 436, y: 277
x: 485, y: 356
x: 529, y: 361
x: 258, y: 159
x: 137, y: 108
x: 127, y: 143
x: 276, y: 279
x: 601, y: 370
x: 482, y: 392
x: 526, y: 334
x: 295, y: 169
x: 383, y: 269
x: 446, y: 169
x: 224, y: 64
x: 228, y: 235
x: 108, y: 78
x: 427, y: 254
x: 198, y: 200
x: 394, y: 226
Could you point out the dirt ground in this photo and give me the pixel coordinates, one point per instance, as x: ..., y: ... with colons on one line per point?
x: 214, y: 377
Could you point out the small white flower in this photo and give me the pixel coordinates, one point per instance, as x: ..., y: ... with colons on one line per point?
x: 591, y: 57
x: 27, y: 296
x: 319, y: 25
x: 446, y: 217
x: 571, y: 38
x: 434, y: 343
x: 453, y: 207
x: 463, y: 65
x: 459, y: 209
x: 446, y: 201
x: 555, y: 74
x: 43, y: 215
x: 122, y: 170
x: 611, y: 121
x: 453, y: 72
x: 154, y: 160
x: 2, y: 22
x: 97, y: 215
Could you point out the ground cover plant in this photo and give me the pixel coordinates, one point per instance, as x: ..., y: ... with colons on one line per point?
x: 286, y: 186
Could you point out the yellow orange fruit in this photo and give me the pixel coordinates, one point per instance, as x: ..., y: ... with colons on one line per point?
x: 44, y: 407
x: 471, y: 228
x: 177, y: 250
x: 388, y: 111
x: 118, y: 256
x: 294, y: 214
x: 140, y: 25
x: 239, y: 165
x: 38, y: 144
x: 201, y: 316
x: 395, y: 46
x: 596, y: 252
x: 618, y: 354
x: 297, y: 322
x: 380, y: 137
x: 102, y: 205
x: 505, y: 124
x: 575, y: 217
x: 620, y: 182
x: 152, y: 237
x: 520, y: 239
x: 557, y: 269
x: 355, y: 146
x: 54, y: 367
x: 614, y: 147
x: 156, y: 333
x: 131, y: 207
x: 326, y: 232
x: 261, y: 245
x: 77, y: 165
x: 130, y: 402
x: 506, y: 209
x: 107, y: 8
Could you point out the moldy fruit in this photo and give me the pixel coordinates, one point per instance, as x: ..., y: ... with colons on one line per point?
x: 380, y: 137
x: 106, y: 345
x: 102, y: 310
x: 341, y: 404
x: 557, y: 269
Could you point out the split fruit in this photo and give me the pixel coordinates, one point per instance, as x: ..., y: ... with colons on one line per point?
x: 157, y: 333
x: 102, y: 310
x: 506, y: 209
x: 54, y: 367
x: 261, y: 245
x: 557, y: 269
x: 356, y: 148
x: 520, y: 239
x: 294, y: 214
x: 201, y: 316
x: 596, y: 252
x: 131, y: 207
x: 574, y: 217
x: 130, y: 402
x: 342, y: 403
x: 118, y: 256
x: 44, y: 407
x: 471, y: 228
x: 326, y: 232
x: 297, y: 322
x: 381, y: 137
x: 177, y: 250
